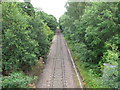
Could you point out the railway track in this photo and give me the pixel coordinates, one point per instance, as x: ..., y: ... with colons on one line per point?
x: 59, y: 71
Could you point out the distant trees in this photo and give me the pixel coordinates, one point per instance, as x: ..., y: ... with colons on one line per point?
x: 50, y: 20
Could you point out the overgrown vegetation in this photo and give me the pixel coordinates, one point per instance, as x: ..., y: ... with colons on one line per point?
x: 17, y: 80
x: 26, y: 36
x: 92, y: 31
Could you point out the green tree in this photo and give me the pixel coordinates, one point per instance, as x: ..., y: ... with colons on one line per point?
x: 89, y: 27
x: 18, y: 48
x: 50, y: 20
x: 24, y: 38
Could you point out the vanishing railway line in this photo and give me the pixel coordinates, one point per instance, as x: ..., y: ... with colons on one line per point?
x: 59, y: 71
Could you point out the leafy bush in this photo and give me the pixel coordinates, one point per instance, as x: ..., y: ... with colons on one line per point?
x: 110, y: 71
x: 49, y: 33
x: 17, y: 80
x: 110, y: 76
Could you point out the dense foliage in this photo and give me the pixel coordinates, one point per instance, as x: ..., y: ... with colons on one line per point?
x: 92, y: 31
x: 17, y: 80
x: 50, y: 20
x: 25, y: 37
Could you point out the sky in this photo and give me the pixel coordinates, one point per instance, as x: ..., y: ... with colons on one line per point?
x: 53, y: 7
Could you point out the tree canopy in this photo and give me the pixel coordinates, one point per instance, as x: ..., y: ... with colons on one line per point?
x: 92, y: 30
x: 25, y: 36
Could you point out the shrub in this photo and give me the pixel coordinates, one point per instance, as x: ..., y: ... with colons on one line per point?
x: 17, y: 80
x: 110, y: 72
